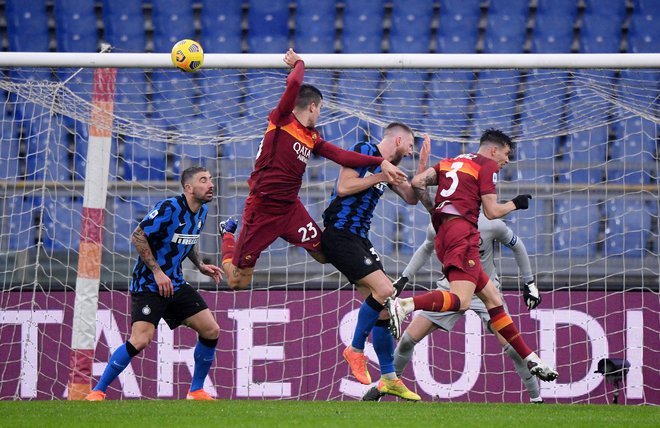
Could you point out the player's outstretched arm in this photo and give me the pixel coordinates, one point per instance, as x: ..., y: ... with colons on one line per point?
x: 492, y: 209
x: 420, y: 184
x: 293, y: 83
x: 349, y: 181
x: 207, y: 269
x: 405, y: 190
x: 504, y: 234
x: 139, y: 239
x: 424, y: 153
x: 351, y: 159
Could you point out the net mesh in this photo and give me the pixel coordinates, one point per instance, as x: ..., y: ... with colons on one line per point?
x: 587, y: 152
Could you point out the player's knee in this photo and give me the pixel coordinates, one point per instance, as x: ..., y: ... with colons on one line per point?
x: 383, y: 292
x: 465, y: 304
x: 141, y: 341
x: 212, y: 332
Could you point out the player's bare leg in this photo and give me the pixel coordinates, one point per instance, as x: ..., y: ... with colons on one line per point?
x: 237, y: 278
x: 142, y: 333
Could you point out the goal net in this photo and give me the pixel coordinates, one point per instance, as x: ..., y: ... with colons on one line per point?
x: 86, y: 152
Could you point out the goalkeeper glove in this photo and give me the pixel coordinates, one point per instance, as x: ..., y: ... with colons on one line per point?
x: 521, y: 201
x: 531, y: 295
x: 399, y: 285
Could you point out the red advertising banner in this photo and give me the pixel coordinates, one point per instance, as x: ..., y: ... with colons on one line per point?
x: 288, y: 345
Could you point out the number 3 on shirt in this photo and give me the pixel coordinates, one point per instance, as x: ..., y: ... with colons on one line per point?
x: 452, y: 174
x: 303, y: 230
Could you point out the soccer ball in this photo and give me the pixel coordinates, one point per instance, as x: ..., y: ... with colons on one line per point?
x: 187, y: 55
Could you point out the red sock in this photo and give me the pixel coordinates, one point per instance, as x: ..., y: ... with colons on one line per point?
x: 503, y: 324
x: 227, y: 250
x: 437, y: 301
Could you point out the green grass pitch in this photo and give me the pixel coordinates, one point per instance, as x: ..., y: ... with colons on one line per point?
x: 316, y: 414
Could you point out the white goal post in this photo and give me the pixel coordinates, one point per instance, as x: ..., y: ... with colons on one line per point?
x: 91, y: 140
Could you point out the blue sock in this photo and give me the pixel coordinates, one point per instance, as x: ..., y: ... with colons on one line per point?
x: 119, y: 360
x: 204, y: 355
x: 367, y: 317
x: 384, y: 346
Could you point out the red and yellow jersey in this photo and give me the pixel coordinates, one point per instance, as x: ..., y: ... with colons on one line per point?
x: 287, y: 146
x: 463, y: 180
x: 282, y: 159
x: 285, y: 149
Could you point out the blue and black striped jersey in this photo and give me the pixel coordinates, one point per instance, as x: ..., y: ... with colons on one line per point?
x: 172, y: 231
x: 354, y: 212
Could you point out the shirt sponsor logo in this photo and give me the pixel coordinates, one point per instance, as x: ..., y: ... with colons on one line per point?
x: 183, y: 239
x: 302, y: 151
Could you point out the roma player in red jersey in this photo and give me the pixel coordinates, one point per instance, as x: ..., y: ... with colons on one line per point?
x: 273, y: 209
x: 465, y: 183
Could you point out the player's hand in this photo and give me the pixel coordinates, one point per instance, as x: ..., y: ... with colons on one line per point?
x: 393, y: 174
x: 164, y: 282
x: 531, y: 295
x: 212, y: 271
x: 521, y: 201
x: 290, y: 58
x: 424, y: 153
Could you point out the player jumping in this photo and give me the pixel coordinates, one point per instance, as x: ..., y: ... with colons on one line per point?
x: 273, y: 208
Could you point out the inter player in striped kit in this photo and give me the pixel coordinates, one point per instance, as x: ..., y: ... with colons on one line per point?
x: 163, y: 239
x: 346, y: 244
x: 426, y: 322
x: 273, y: 208
x: 466, y: 183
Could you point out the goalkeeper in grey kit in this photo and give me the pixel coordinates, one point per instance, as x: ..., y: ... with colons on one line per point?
x: 426, y: 322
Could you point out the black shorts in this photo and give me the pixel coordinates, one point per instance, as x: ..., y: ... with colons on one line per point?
x: 351, y: 254
x: 151, y: 307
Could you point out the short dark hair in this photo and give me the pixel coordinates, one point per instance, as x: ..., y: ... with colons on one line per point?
x: 189, y: 173
x: 399, y: 125
x: 308, y: 94
x: 495, y: 136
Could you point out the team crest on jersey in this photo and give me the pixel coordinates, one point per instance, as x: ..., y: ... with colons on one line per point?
x: 494, y: 178
x: 199, y: 224
x: 367, y: 261
x: 146, y: 310
x: 153, y: 214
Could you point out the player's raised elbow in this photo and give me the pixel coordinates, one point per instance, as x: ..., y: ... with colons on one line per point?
x: 488, y: 213
x: 418, y: 182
